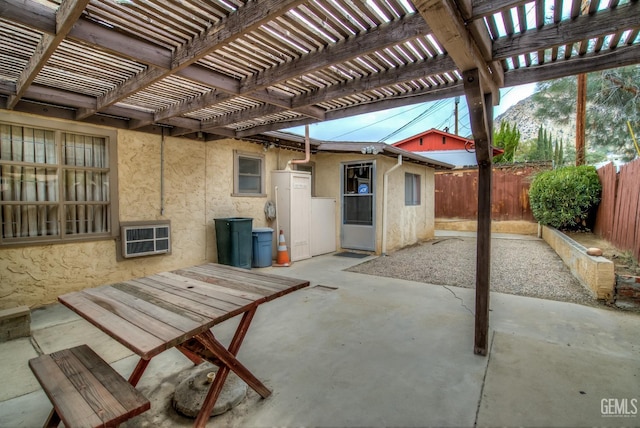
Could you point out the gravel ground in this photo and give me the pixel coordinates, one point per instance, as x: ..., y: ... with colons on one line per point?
x: 523, y: 267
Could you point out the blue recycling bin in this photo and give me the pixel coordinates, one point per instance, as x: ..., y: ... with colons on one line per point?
x: 233, y: 238
x: 262, y: 247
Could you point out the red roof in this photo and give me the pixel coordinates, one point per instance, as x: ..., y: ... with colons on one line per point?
x: 436, y: 140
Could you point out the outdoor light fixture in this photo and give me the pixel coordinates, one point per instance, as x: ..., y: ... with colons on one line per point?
x: 370, y: 150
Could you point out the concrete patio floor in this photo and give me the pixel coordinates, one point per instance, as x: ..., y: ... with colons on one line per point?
x: 357, y: 350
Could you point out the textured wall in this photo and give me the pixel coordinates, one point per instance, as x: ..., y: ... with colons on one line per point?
x: 219, y: 188
x: 406, y: 225
x: 198, y: 182
x: 198, y: 187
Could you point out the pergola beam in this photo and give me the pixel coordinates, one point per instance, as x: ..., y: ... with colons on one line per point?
x: 409, y: 72
x: 68, y: 13
x: 581, y: 28
x: 397, y: 101
x: 246, y: 18
x: 449, y: 27
x: 253, y: 87
x: 591, y: 62
x: 381, y: 37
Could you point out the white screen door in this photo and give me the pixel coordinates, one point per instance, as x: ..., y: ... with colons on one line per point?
x: 358, y: 206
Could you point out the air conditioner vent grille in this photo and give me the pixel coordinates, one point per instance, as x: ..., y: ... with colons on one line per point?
x: 146, y: 239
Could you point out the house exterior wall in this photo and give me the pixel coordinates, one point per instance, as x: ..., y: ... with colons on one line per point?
x: 198, y: 183
x: 198, y: 187
x: 406, y: 225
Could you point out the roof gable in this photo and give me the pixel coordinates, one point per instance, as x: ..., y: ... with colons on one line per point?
x: 433, y: 139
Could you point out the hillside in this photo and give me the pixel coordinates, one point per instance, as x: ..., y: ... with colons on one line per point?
x: 522, y: 114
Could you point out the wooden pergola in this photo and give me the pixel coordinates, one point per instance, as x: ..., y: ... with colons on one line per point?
x: 211, y: 69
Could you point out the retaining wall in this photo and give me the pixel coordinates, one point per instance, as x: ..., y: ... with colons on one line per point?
x: 595, y: 273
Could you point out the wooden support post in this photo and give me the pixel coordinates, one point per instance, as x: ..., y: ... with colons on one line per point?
x: 483, y: 258
x: 481, y: 118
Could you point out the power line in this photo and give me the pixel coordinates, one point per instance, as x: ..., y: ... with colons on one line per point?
x: 437, y: 105
x: 371, y: 124
x: 416, y: 119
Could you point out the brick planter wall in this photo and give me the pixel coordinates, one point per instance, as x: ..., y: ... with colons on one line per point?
x: 628, y: 289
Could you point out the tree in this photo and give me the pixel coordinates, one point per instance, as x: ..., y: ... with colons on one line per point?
x: 542, y: 149
x: 558, y: 154
x: 612, y: 99
x: 508, y: 139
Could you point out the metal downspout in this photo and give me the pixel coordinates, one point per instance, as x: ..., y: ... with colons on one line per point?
x: 307, y: 150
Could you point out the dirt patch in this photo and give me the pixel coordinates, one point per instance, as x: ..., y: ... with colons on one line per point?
x: 523, y: 266
x: 622, y: 260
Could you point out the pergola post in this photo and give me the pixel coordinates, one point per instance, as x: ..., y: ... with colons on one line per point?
x: 481, y: 118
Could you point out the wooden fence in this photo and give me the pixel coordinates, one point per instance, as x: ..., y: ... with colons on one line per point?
x: 456, y: 192
x: 618, y: 216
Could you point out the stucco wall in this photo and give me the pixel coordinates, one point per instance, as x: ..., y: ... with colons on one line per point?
x: 198, y: 187
x: 198, y: 183
x: 219, y: 188
x: 36, y: 275
x: 406, y: 224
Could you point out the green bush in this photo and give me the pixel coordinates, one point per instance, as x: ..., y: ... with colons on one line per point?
x: 564, y: 198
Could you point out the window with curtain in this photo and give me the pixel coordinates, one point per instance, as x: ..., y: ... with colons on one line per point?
x: 411, y: 189
x: 55, y: 185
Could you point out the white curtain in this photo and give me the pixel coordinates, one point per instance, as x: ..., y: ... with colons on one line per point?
x: 29, y: 182
x: 86, y: 180
x: 31, y: 172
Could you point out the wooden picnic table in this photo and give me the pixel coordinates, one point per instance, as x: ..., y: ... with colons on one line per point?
x: 178, y: 309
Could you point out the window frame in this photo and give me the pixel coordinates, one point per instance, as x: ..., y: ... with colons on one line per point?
x: 237, y: 154
x: 415, y: 199
x: 59, y: 128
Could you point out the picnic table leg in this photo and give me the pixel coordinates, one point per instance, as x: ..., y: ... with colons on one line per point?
x: 137, y: 372
x: 195, y: 358
x: 229, y: 362
x: 212, y: 396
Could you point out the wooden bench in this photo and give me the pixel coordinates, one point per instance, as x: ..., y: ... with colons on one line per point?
x: 85, y: 390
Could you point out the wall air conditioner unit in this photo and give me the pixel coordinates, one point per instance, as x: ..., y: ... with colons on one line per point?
x: 145, y: 239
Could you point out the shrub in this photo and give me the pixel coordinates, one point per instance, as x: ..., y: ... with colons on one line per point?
x: 564, y: 198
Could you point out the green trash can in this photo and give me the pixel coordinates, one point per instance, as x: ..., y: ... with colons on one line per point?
x: 233, y: 239
x: 262, y: 247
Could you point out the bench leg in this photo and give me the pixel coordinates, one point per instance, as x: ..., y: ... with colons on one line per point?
x: 53, y: 420
x: 137, y: 372
x: 229, y: 362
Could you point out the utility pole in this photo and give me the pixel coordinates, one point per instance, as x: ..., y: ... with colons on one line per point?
x: 581, y: 113
x: 581, y: 104
x: 455, y: 112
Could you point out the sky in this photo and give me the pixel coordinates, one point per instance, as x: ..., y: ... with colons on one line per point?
x: 393, y: 125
